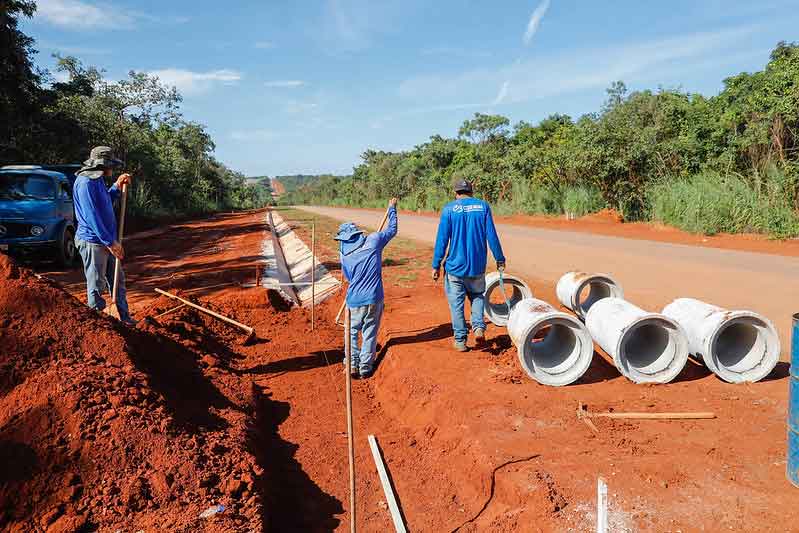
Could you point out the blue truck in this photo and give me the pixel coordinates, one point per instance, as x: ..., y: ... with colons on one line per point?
x: 37, y: 213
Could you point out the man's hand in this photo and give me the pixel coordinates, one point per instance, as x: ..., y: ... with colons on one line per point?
x: 124, y: 179
x: 392, y: 202
x: 436, y: 274
x: 117, y: 250
x: 500, y: 265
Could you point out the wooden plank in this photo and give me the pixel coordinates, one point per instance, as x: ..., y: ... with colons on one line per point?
x: 601, y: 506
x: 393, y: 507
x: 653, y: 416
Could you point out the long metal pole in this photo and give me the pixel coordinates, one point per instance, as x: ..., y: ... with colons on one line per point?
x: 313, y: 275
x: 348, y: 379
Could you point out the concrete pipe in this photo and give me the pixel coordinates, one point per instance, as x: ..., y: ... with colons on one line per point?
x: 578, y: 291
x: 737, y: 346
x: 516, y: 289
x: 554, y: 348
x: 646, y: 347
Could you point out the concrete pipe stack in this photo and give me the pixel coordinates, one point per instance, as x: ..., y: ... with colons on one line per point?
x: 554, y: 348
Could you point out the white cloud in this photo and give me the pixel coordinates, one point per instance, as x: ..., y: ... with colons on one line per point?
x: 575, y: 70
x: 294, y: 106
x: 189, y: 82
x: 80, y: 15
x: 503, y: 93
x: 535, y: 21
x: 285, y: 84
x: 83, y: 15
x: 264, y: 45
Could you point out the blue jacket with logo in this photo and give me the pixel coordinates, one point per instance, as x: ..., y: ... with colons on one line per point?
x: 466, y: 224
x: 362, y: 265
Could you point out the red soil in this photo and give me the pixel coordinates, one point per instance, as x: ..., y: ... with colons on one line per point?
x: 472, y: 444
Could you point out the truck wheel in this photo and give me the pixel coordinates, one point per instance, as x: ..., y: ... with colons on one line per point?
x: 66, y: 252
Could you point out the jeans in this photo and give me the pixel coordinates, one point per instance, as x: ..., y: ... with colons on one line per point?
x: 366, y: 321
x: 457, y: 290
x: 98, y: 266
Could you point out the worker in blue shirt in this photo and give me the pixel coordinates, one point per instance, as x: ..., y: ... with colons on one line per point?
x: 96, y: 238
x: 466, y: 224
x: 361, y: 264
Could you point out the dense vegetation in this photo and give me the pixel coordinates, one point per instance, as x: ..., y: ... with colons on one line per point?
x: 48, y: 121
x: 292, y: 183
x: 728, y: 163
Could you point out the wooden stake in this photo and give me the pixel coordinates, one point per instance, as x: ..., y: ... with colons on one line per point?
x: 181, y: 306
x: 396, y: 516
x: 250, y: 331
x: 350, y: 445
x: 313, y: 275
x: 112, y: 309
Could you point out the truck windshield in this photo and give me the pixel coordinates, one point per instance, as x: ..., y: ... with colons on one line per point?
x: 26, y: 187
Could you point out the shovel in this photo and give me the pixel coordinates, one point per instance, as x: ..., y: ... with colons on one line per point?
x: 112, y: 309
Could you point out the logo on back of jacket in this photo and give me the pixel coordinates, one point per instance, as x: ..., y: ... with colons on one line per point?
x: 466, y: 208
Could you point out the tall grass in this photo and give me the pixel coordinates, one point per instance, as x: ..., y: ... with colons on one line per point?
x: 710, y: 203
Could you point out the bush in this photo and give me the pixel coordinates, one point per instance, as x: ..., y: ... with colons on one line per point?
x: 580, y: 201
x: 710, y: 203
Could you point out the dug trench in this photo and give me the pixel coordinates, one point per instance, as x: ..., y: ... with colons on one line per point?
x: 471, y: 443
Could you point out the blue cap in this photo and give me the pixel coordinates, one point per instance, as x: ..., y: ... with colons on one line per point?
x: 347, y: 232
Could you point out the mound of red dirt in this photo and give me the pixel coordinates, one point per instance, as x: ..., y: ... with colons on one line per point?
x: 108, y: 428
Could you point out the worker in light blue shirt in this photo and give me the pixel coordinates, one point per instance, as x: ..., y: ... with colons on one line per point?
x: 361, y: 264
x: 96, y: 238
x: 465, y: 227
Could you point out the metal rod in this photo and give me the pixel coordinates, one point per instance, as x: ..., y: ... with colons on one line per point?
x: 391, y: 499
x: 313, y: 275
x: 350, y: 445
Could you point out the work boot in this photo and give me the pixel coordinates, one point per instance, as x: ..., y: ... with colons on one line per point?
x: 130, y: 322
x: 460, y: 346
x: 480, y: 336
x: 366, y: 374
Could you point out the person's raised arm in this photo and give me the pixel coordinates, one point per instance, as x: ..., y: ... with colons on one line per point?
x: 493, y: 239
x: 391, y: 230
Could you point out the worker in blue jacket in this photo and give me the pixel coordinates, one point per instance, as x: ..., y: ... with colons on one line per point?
x: 96, y: 238
x: 466, y: 224
x: 361, y: 263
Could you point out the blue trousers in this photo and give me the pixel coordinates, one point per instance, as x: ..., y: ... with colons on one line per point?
x: 366, y: 321
x: 98, y: 266
x: 457, y: 290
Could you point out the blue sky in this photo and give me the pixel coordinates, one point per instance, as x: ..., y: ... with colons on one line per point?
x: 305, y: 87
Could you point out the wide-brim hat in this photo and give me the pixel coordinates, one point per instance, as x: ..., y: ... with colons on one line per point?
x: 101, y: 158
x: 347, y: 232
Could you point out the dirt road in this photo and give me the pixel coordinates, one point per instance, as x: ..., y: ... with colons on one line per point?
x: 652, y: 273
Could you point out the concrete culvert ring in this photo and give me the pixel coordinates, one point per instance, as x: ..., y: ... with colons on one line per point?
x: 579, y: 291
x: 553, y: 348
x: 737, y: 346
x: 496, y: 310
x: 654, y: 349
x: 745, y: 348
